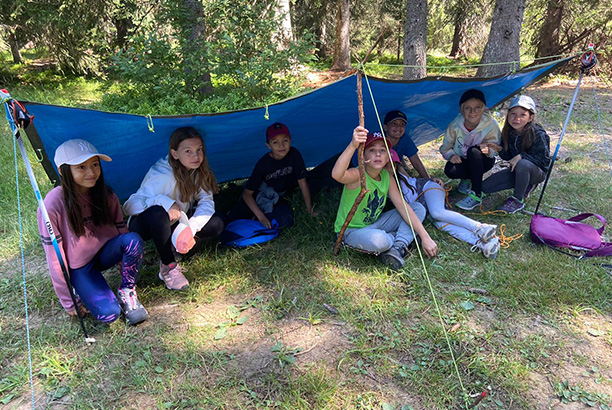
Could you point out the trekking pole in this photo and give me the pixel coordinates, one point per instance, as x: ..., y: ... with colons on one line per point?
x: 587, y: 61
x: 18, y: 118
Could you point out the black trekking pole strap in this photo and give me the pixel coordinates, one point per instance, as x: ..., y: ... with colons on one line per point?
x: 587, y: 61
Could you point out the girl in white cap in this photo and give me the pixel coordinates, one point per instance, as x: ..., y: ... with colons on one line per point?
x: 176, y: 186
x: 526, y: 147
x: 90, y: 230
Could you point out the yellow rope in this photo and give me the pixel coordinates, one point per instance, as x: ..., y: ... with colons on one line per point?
x: 504, y: 241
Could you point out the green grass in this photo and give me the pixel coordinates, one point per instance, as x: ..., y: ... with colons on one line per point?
x: 384, y: 349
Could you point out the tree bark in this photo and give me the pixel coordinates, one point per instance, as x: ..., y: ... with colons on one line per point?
x: 503, y: 43
x: 14, y: 44
x: 415, y: 40
x: 342, y: 49
x: 197, y: 76
x: 458, y: 48
x: 548, y: 40
x: 285, y: 30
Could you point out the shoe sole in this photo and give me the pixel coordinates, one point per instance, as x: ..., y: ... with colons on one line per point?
x: 515, y: 211
x: 465, y: 208
x: 168, y: 287
x: 490, y: 235
x: 139, y: 318
x: 392, y: 262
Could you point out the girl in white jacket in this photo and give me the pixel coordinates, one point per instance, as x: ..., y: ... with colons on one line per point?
x: 175, y: 203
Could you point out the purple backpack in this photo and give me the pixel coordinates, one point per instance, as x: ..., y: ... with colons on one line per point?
x: 570, y: 233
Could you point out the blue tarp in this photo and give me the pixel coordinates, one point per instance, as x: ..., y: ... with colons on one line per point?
x: 320, y: 121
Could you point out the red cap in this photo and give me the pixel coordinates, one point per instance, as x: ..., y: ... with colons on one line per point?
x: 376, y: 136
x: 277, y: 129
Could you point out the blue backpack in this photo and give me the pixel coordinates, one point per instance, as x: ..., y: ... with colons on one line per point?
x: 246, y: 232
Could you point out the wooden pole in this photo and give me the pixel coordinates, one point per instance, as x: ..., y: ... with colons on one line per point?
x: 362, y: 174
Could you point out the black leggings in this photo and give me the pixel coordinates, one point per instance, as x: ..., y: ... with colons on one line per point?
x: 473, y: 168
x: 154, y: 223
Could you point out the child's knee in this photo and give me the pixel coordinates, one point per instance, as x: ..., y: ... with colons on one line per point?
x: 419, y: 210
x: 107, y: 313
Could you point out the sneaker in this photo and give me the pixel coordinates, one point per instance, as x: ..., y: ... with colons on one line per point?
x: 489, y: 249
x: 392, y: 258
x: 485, y: 232
x: 512, y: 205
x: 464, y: 186
x: 470, y: 202
x: 132, y: 309
x: 172, y: 276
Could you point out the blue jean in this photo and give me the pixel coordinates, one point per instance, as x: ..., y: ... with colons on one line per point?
x: 389, y: 229
x: 92, y: 288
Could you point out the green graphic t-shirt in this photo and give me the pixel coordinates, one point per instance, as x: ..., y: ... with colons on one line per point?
x: 370, y: 207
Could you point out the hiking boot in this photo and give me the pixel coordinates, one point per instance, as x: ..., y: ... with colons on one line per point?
x: 489, y: 249
x: 172, y: 276
x: 132, y: 309
x: 464, y: 186
x: 392, y: 258
x: 512, y: 205
x: 485, y: 232
x: 470, y: 202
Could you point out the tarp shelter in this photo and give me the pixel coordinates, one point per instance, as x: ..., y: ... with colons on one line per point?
x: 320, y: 121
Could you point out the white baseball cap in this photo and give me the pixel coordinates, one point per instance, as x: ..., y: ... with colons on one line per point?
x: 525, y: 102
x: 74, y: 152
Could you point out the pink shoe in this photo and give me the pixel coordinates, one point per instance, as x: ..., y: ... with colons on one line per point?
x: 173, y: 276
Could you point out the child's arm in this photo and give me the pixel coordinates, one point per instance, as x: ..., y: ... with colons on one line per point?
x: 306, y: 194
x: 340, y: 172
x: 429, y: 246
x: 418, y: 165
x: 247, y: 196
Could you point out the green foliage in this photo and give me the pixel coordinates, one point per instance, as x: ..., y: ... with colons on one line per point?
x: 239, y: 53
x: 568, y: 393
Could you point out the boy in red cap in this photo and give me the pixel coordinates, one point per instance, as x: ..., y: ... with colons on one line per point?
x: 385, y: 234
x: 275, y: 173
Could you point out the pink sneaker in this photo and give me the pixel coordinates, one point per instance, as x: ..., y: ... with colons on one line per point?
x: 173, y: 276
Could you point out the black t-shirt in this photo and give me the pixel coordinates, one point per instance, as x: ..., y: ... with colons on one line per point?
x: 281, y: 175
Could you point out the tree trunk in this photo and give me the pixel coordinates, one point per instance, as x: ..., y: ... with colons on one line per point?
x: 342, y: 48
x: 14, y: 44
x: 459, y: 35
x: 548, y: 40
x: 285, y: 31
x: 503, y: 44
x: 197, y: 75
x: 415, y: 40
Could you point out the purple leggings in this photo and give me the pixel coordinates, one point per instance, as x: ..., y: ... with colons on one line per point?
x: 92, y: 288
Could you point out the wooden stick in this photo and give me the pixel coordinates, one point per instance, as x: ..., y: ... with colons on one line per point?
x: 362, y: 174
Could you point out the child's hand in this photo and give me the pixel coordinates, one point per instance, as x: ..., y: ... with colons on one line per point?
x: 313, y: 213
x: 484, y: 148
x: 438, y: 181
x: 82, y: 309
x: 494, y: 146
x: 174, y: 213
x: 455, y: 159
x: 429, y: 246
x: 265, y: 221
x: 360, y: 135
x: 514, y: 161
